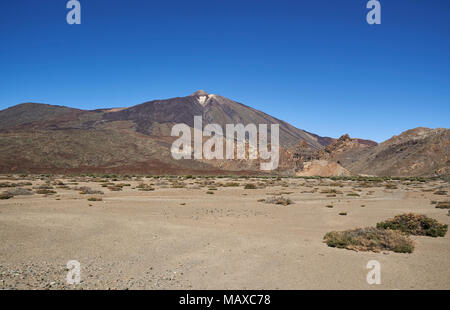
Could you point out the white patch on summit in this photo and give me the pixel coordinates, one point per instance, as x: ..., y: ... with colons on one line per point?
x: 202, y: 99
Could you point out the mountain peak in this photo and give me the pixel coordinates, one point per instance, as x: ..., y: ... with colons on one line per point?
x: 200, y: 93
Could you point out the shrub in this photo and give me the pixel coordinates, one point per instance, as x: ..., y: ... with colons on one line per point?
x: 443, y: 205
x: 6, y: 196
x: 353, y: 194
x: 145, y: 187
x: 250, y: 186
x: 210, y: 193
x: 20, y: 192
x: 7, y: 184
x: 440, y: 193
x: 343, y: 213
x: 94, y: 199
x: 115, y: 188
x: 391, y: 186
x: 330, y: 191
x: 45, y: 187
x: 415, y: 224
x: 84, y: 190
x: 231, y: 184
x: 45, y: 192
x: 370, y: 239
x: 279, y: 201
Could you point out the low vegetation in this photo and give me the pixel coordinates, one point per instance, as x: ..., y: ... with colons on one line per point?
x: 45, y: 192
x: 84, y: 190
x: 6, y: 196
x: 443, y: 205
x: 443, y: 193
x: 370, y: 239
x: 95, y: 199
x: 279, y: 201
x: 18, y: 191
x: 415, y: 224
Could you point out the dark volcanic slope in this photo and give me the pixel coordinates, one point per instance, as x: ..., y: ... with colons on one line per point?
x: 214, y: 109
x: 44, y: 138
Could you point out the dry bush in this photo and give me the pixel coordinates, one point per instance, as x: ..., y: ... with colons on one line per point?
x: 6, y: 196
x: 123, y: 184
x: 370, y: 239
x: 415, y: 224
x: 231, y: 184
x: 94, y: 199
x: 443, y: 205
x: 330, y: 191
x: 115, y: 188
x: 7, y: 184
x: 45, y: 187
x: 390, y: 186
x: 84, y: 190
x: 20, y: 192
x: 250, y: 186
x: 145, y: 187
x: 279, y: 200
x: 45, y: 192
x: 178, y: 185
x: 440, y: 193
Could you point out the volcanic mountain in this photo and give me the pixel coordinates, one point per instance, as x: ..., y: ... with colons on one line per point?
x: 46, y: 138
x: 42, y: 138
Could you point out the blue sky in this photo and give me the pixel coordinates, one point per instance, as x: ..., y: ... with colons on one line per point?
x: 315, y: 64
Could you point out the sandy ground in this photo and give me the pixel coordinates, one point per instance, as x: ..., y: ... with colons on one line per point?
x: 184, y: 238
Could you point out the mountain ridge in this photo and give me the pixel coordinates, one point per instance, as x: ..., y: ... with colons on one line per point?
x: 39, y: 137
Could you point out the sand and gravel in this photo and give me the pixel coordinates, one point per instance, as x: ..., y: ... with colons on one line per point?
x: 185, y: 238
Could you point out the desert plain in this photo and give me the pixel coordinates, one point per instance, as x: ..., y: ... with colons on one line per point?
x: 188, y: 232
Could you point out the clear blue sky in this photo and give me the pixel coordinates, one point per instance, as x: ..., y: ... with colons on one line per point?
x: 315, y: 64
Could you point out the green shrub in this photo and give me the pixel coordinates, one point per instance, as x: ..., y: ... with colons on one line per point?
x: 370, y: 239
x: 415, y: 224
